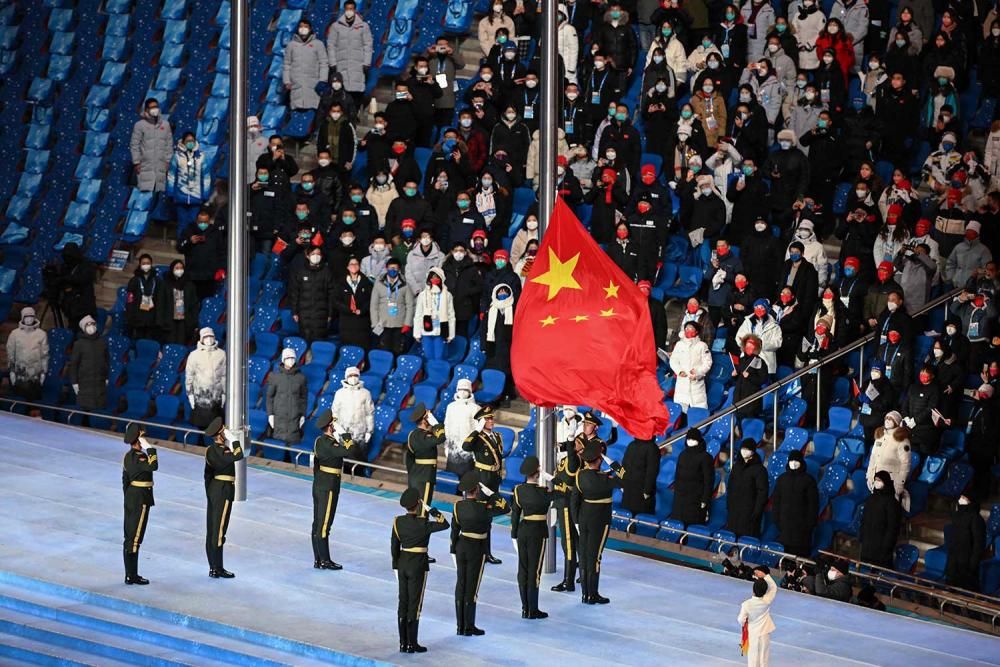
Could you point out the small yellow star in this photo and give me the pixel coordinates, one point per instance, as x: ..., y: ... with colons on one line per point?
x: 610, y: 312
x: 548, y: 321
x: 611, y: 290
x: 559, y: 275
x: 580, y: 318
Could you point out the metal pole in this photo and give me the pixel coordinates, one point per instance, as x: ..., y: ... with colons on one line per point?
x: 545, y: 427
x: 774, y: 409
x: 236, y: 275
x: 819, y: 415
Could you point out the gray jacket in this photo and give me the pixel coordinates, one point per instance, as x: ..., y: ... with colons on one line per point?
x: 404, y: 304
x: 152, y: 146
x: 963, y: 261
x: 447, y: 66
x: 287, y: 400
x: 418, y: 264
x: 304, y: 66
x: 28, y: 352
x: 914, y: 273
x: 88, y: 368
x: 349, y: 50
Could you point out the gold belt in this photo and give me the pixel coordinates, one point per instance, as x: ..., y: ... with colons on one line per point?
x: 534, y: 517
x: 598, y: 501
x: 562, y: 488
x: 488, y: 468
x: 142, y: 485
x: 474, y: 536
x: 332, y: 471
x: 415, y: 550
x: 226, y: 478
x: 426, y: 462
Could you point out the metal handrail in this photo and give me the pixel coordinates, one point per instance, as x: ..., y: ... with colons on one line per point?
x: 780, y: 384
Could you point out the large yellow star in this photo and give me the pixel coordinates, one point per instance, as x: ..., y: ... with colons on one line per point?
x: 548, y: 321
x: 581, y: 318
x: 611, y: 290
x: 610, y: 312
x: 559, y: 275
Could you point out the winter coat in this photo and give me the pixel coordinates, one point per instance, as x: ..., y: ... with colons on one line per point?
x: 746, y: 496
x: 434, y: 314
x: 89, y: 366
x: 694, y: 484
x: 346, y: 151
x: 287, y: 400
x: 381, y: 198
x: 256, y: 146
x: 189, y: 178
x: 531, y: 166
x: 391, y: 306
x: 520, y: 244
x: 459, y: 422
x: 770, y: 93
x: 632, y: 260
x: 712, y: 112
x: 891, y: 453
x: 488, y: 27
x: 789, y: 173
x: 758, y: 27
x: 873, y: 410
x: 760, y: 252
x: 880, y: 520
x: 642, y: 465
x: 966, y: 545
x: 794, y: 507
x: 151, y: 148
x: 920, y: 400
x: 310, y: 293
x: 354, y: 410
x: 419, y: 263
x: 658, y: 318
x: 569, y: 47
x: 963, y: 261
x: 141, y: 300
x: 205, y: 376
x: 187, y: 299
x: 28, y: 352
x: 914, y: 272
x: 305, y: 64
x: 465, y: 283
x: 691, y: 356
x: 268, y: 210
x: 807, y: 31
x: 355, y: 328
x: 202, y: 260
x: 745, y: 387
x: 617, y: 41
x: 349, y: 51
x: 721, y: 279
x: 814, y: 253
x: 769, y: 332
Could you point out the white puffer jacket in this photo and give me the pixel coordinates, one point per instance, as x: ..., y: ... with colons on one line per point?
x: 769, y: 332
x: 28, y: 352
x: 354, y: 410
x: 459, y: 422
x: 814, y: 252
x: 892, y: 454
x: 692, y: 357
x: 205, y: 375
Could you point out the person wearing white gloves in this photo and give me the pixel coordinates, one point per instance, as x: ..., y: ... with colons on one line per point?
x: 138, y: 466
x: 459, y: 422
x: 755, y: 615
x: 287, y: 399
x: 567, y: 428
x: 89, y: 367
x: 691, y: 361
x: 205, y: 379
x: 891, y: 453
x: 28, y: 356
x: 434, y: 317
x: 354, y: 410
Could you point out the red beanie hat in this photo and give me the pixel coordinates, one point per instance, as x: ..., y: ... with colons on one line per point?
x: 501, y: 254
x: 853, y: 261
x: 409, y: 222
x: 562, y: 161
x: 648, y: 169
x: 895, y: 210
x: 887, y: 266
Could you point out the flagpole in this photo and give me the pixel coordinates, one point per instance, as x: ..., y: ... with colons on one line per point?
x: 544, y: 424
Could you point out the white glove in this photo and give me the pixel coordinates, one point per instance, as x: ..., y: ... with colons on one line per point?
x: 487, y: 491
x: 454, y: 561
x: 302, y: 420
x: 76, y: 389
x: 230, y: 435
x: 910, y: 422
x: 431, y: 419
x: 368, y: 437
x: 223, y: 399
x: 143, y: 443
x: 13, y: 378
x: 513, y: 541
x: 191, y: 400
x: 544, y: 477
x: 395, y: 573
x: 270, y: 421
x: 43, y: 378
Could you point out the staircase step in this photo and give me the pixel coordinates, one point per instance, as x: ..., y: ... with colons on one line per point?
x: 17, y: 650
x: 103, y: 651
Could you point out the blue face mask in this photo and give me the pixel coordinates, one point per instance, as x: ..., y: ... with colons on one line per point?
x: 620, y: 117
x: 849, y: 271
x: 408, y: 233
x: 410, y: 192
x: 347, y: 220
x: 357, y: 198
x: 747, y: 170
x: 449, y: 145
x: 503, y: 296
x: 947, y: 145
x: 500, y: 263
x: 821, y: 124
x: 189, y: 145
x: 202, y: 226
x: 302, y: 215
x: 308, y: 186
x: 392, y: 272
x: 794, y: 256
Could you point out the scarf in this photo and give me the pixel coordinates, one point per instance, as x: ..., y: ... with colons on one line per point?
x: 436, y: 306
x: 497, y: 307
x: 486, y: 204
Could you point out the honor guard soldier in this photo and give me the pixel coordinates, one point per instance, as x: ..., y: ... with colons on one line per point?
x: 470, y: 529
x: 595, y: 489
x: 529, y: 529
x: 220, y: 487
x: 422, y: 452
x: 137, y: 484
x: 329, y: 451
x: 487, y: 450
x: 411, y: 533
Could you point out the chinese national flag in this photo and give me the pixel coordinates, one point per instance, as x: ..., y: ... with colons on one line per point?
x: 582, y: 333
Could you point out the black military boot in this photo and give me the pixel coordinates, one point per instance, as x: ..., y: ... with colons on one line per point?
x: 404, y: 640
x: 470, y: 621
x: 533, y: 603
x: 412, y: 645
x: 525, y: 603
x: 596, y: 598
x: 567, y: 584
x: 459, y: 617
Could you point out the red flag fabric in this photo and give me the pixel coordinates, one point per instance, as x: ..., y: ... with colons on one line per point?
x: 582, y: 333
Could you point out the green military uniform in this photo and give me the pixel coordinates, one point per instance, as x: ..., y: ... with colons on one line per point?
x: 529, y: 527
x: 470, y: 531
x: 220, y: 488
x: 137, y: 485
x: 421, y: 456
x: 410, y: 537
x: 595, y: 489
x: 328, y: 467
x: 565, y: 502
x: 487, y: 453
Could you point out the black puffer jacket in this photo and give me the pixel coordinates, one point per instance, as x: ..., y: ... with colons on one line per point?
x: 642, y: 465
x: 965, y: 547
x: 794, y: 506
x: 746, y: 496
x: 142, y: 284
x: 880, y: 526
x: 287, y: 401
x: 465, y: 283
x: 88, y: 367
x: 202, y: 259
x: 762, y: 254
x: 355, y: 328
x: 694, y: 481
x: 920, y: 400
x: 789, y: 173
x: 165, y: 302
x: 310, y: 294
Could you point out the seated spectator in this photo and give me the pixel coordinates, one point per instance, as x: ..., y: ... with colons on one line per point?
x: 833, y: 581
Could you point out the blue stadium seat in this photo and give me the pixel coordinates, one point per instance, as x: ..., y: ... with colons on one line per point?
x: 688, y: 282
x: 115, y: 49
x: 492, y: 387
x: 437, y: 374
x: 824, y: 446
x: 62, y: 43
x: 959, y: 477
x: 118, y: 25
x: 297, y: 344
x: 59, y: 68
x: 905, y: 558
x: 40, y: 91
x: 935, y: 562
x: 175, y: 31
x: 322, y: 354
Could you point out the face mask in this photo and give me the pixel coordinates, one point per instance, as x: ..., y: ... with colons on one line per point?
x: 348, y: 219
x: 749, y: 350
x: 833, y: 30
x: 611, y: 155
x: 487, y: 183
x: 378, y: 247
x: 760, y: 226
x: 401, y: 95
x: 189, y: 145
x: 302, y: 215
x: 598, y: 65
x: 746, y: 454
x: 337, y: 85
x: 500, y: 263
x: 666, y: 32
x: 425, y: 241
x: 938, y: 353
x: 462, y: 203
x: 324, y: 162
x: 347, y: 240
x: 392, y: 272
x: 781, y: 27
x: 800, y: 83
x: 832, y: 575
x: 622, y: 234
x: 950, y: 330
x: 304, y: 32
x: 979, y: 302
x: 620, y: 117
x: 263, y: 178
x: 740, y: 283
x: 894, y: 337
x: 794, y: 465
x: 531, y: 83
x: 410, y: 192
x: 658, y: 60
x: 202, y: 226
x: 572, y: 96
x: 615, y: 14
x: 308, y: 186
x: 487, y: 77
x: 794, y: 256
x: 146, y: 268
x: 995, y: 32
x: 963, y: 501
x: 876, y: 375
x: 349, y: 14
x: 352, y: 381
x: 891, y: 306
x: 900, y: 43
x: 692, y: 308
x: 713, y: 64
x: 435, y: 281
x: 422, y: 71
x: 336, y: 116
x: 462, y: 394
x: 708, y: 87
x: 531, y: 225
x: 153, y: 112
x: 288, y: 363
x: 785, y: 145
x: 822, y: 123
x: 925, y: 378
x: 802, y: 235
x: 459, y: 256
x: 690, y: 333
x: 706, y: 191
x: 691, y: 442
x: 861, y: 194
x: 810, y: 96
x: 90, y: 329
x: 315, y: 259
x: 773, y: 48
x: 503, y: 296
x: 873, y: 64
x: 686, y: 113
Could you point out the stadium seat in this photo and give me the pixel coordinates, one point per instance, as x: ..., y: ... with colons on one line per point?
x: 935, y: 561
x: 492, y: 387
x: 905, y: 558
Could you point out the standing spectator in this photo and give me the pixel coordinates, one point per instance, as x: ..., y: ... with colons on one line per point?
x: 150, y: 147
x: 629, y: 257
x: 459, y: 422
x: 746, y: 492
x: 204, y: 254
x: 498, y: 329
x: 896, y: 107
x: 758, y: 16
x: 434, y: 316
x: 256, y: 146
x: 723, y: 267
x: 921, y: 404
x: 855, y: 18
x: 373, y: 265
x: 977, y: 314
x: 189, y: 181
x: 794, y: 318
x: 205, y: 379
x: 279, y: 166
x: 607, y: 197
x: 751, y: 373
x: 795, y: 506
x: 354, y: 410
x: 392, y: 308
x: 760, y: 324
x: 761, y: 252
x: 916, y: 269
x: 639, y: 489
x: 465, y: 282
x: 966, y: 545
x: 287, y: 399
x: 657, y: 315
x: 881, y: 518
x: 691, y: 361
x: 268, y: 210
x: 28, y: 356
x: 89, y: 366
x: 352, y: 297
x: 421, y: 259
x: 966, y: 257
x: 569, y: 43
x: 491, y: 23
x: 338, y: 137
x: 445, y: 62
x: 981, y: 441
x: 76, y: 279
x: 694, y: 482
x: 807, y: 24
x: 310, y: 293
x: 877, y: 399
x: 526, y: 233
x: 305, y: 65
x: 788, y: 170
x: 891, y: 453
x: 141, y: 301
x: 349, y: 51
x: 178, y: 306
x: 815, y: 347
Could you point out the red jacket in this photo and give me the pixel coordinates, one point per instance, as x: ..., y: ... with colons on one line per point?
x: 478, y: 145
x: 843, y: 51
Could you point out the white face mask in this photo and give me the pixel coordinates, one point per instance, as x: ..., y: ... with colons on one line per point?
x: 462, y: 394
x: 760, y: 226
x: 459, y: 256
x: 661, y: 87
x: 465, y: 122
x: 832, y: 575
x: 810, y: 95
x: 336, y: 115
x: 572, y: 96
x: 691, y: 442
x: 773, y: 48
x: 876, y: 375
x: 154, y: 113
x: 892, y: 306
x: 785, y: 145
x: 425, y: 241
x: 802, y: 234
x: 146, y: 267
x: 611, y: 155
x: 90, y: 329
x: 208, y: 341
x: 794, y: 465
x: 352, y: 380
x: 422, y: 71
x: 950, y: 330
x: 315, y: 259
x: 938, y: 353
x: 879, y: 485
x: 889, y: 425
x: 349, y: 14
x: 288, y: 363
x: 347, y: 240
x: 861, y: 193
x: 963, y: 501
x: 304, y: 32
x: 337, y: 85
x: 324, y: 162
x: 531, y: 225
x: 531, y: 83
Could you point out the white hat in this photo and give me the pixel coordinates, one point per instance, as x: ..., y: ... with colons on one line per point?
x: 562, y: 9
x: 253, y: 121
x: 352, y: 370
x: 205, y: 332
x: 87, y: 319
x: 465, y: 384
x: 949, y: 135
x: 974, y: 226
x: 786, y: 135
x: 28, y: 312
x: 288, y: 353
x: 895, y: 416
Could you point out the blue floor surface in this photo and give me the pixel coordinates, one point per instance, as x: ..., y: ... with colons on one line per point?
x: 60, y: 520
